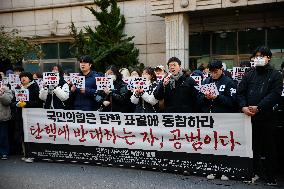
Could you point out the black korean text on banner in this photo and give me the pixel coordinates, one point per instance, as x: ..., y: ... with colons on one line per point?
x: 104, y: 83
x: 51, y: 78
x: 223, y: 137
x: 78, y: 81
x: 22, y: 95
x: 197, y: 79
x: 194, y: 133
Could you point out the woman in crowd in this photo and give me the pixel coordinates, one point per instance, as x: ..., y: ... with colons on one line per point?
x: 135, y: 72
x: 114, y: 100
x: 144, y: 99
x: 27, y: 82
x: 6, y: 97
x: 54, y: 97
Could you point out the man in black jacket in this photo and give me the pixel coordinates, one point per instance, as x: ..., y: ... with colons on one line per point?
x: 258, y: 92
x: 225, y: 102
x: 177, y: 90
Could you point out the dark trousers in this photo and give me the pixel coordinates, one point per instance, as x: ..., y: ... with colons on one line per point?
x: 264, y: 147
x: 4, y: 141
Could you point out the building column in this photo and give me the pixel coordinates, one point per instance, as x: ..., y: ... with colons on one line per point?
x: 177, y: 37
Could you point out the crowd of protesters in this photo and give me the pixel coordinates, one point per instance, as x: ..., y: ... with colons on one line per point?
x: 257, y: 95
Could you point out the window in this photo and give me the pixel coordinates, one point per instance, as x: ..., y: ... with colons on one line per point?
x: 224, y: 43
x: 199, y: 44
x: 50, y: 50
x: 249, y: 40
x: 65, y: 50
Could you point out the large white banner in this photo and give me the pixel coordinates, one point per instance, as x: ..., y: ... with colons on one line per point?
x: 219, y: 134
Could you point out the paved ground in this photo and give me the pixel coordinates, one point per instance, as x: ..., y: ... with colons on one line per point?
x: 15, y: 174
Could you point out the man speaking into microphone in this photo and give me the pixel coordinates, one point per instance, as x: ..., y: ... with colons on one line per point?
x: 177, y: 90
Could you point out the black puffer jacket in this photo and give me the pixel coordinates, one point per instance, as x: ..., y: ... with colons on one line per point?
x: 119, y: 98
x: 262, y: 87
x: 182, y: 98
x: 146, y: 103
x: 226, y: 101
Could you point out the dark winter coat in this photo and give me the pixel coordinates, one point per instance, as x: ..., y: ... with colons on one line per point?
x: 226, y: 101
x: 119, y: 98
x: 85, y: 101
x: 182, y: 98
x: 262, y: 87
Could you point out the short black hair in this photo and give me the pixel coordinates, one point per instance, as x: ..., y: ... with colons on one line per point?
x: 215, y: 64
x: 86, y: 59
x: 264, y: 51
x: 174, y: 59
x: 26, y: 74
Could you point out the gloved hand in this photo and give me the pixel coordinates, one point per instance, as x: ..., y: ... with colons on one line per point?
x: 21, y: 104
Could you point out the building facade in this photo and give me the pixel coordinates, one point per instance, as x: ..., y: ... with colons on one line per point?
x: 193, y: 30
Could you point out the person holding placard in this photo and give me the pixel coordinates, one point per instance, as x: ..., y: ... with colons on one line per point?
x: 225, y: 102
x: 220, y: 99
x: 30, y: 101
x: 144, y: 99
x: 54, y: 97
x: 177, y: 90
x: 259, y: 91
x: 82, y: 98
x: 114, y: 99
x: 6, y: 97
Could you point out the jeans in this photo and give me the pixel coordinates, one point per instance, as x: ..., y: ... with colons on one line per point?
x: 4, y: 142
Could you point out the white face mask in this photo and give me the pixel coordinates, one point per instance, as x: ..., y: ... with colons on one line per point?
x: 259, y: 61
x: 113, y: 77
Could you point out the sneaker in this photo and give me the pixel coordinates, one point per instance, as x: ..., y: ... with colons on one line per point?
x: 23, y: 159
x: 254, y: 179
x: 211, y: 177
x: 224, y: 178
x: 4, y: 157
x: 29, y: 160
x: 271, y: 182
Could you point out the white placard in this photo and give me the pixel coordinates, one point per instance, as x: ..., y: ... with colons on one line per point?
x: 22, y: 95
x: 51, y: 78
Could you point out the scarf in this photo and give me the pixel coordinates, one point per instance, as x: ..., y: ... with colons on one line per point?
x: 175, y: 78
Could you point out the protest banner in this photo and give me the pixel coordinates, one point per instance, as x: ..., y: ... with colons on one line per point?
x: 196, y: 143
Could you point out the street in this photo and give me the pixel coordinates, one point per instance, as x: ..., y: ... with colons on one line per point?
x: 16, y: 174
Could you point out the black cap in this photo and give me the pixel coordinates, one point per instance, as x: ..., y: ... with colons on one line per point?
x: 215, y: 64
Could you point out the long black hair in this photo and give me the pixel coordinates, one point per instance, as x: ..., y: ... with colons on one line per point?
x: 115, y: 71
x: 151, y: 72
